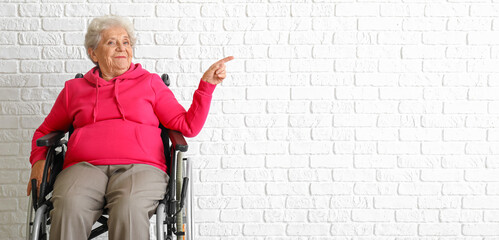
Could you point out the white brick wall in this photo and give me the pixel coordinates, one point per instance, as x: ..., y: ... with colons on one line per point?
x: 339, y: 119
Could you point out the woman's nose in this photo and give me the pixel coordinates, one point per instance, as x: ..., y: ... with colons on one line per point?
x: 120, y: 47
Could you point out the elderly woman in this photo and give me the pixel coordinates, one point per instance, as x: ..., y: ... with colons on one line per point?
x: 115, y: 156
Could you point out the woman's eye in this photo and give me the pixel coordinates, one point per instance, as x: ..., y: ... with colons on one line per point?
x: 110, y: 43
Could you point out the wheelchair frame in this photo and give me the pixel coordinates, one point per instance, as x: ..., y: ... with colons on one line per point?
x: 171, y: 211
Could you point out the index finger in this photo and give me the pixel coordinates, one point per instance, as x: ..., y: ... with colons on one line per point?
x: 224, y: 60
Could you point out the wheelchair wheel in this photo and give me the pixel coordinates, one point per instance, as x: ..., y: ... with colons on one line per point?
x: 36, y: 224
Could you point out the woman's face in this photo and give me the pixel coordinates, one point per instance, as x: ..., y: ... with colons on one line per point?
x: 114, y: 52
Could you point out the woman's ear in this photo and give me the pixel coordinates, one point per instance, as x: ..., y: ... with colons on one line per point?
x: 92, y: 55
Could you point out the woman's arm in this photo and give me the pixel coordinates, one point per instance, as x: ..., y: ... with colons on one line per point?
x: 57, y: 120
x: 173, y: 116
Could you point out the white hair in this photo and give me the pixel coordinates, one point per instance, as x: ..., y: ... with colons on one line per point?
x: 99, y: 24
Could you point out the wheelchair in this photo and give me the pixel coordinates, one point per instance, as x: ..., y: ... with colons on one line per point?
x: 174, y: 211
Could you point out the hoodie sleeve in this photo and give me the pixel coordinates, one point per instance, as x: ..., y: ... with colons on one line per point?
x: 173, y: 116
x: 57, y: 120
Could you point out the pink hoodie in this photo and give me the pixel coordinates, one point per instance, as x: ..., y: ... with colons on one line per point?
x: 116, y: 121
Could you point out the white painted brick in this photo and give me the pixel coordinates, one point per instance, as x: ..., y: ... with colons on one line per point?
x: 8, y: 10
x: 399, y: 175
x: 246, y: 189
x: 327, y: 189
x: 10, y: 24
x: 357, y: 10
x: 446, y: 38
x: 8, y: 66
x: 399, y: 148
x: 401, y: 10
x: 422, y: 107
x: 241, y: 216
x: 244, y: 24
x: 375, y: 188
x: 439, y: 202
x: 397, y: 202
x: 418, y: 162
x: 285, y: 215
x: 444, y: 66
x: 397, y: 121
x: 151, y: 24
x: 421, y: 134
x: 399, y: 38
x: 10, y: 94
x: 417, y: 215
x: 437, y: 175
x: 355, y: 120
x: 356, y: 65
x: 264, y: 202
x: 465, y: 189
x: 89, y: 10
x: 473, y: 134
x: 299, y: 202
x: 446, y: 10
x: 298, y: 120
x: 308, y: 229
x: 372, y: 215
x: 288, y: 107
x: 332, y: 107
x: 440, y: 229
x: 226, y: 229
x: 289, y: 24
x: 397, y: 229
x: 309, y: 93
x: 8, y: 38
x: 417, y: 189
x: 266, y: 148
x: 19, y: 52
x: 484, y: 10
x: 58, y: 24
x: 361, y: 175
x: 76, y: 39
x: 353, y: 37
x: 267, y: 10
x: 465, y: 107
x: 140, y: 10
x: 306, y: 38
x: 64, y: 53
x: 469, y: 24
x: 366, y: 134
x: 326, y: 161
x: 380, y: 24
x: 262, y: 175
x: 450, y: 215
x: 355, y: 148
x: 480, y: 229
x: 408, y: 93
x: 378, y: 52
x: 400, y: 66
x: 328, y: 216
x: 288, y: 134
x: 266, y: 120
x: 423, y: 52
x: 351, y: 202
x: 352, y: 229
x: 442, y: 148
x: 264, y: 229
x: 288, y: 189
x: 466, y: 162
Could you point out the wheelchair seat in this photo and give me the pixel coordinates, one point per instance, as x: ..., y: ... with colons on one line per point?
x: 171, y: 211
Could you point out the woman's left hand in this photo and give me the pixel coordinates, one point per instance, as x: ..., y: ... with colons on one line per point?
x: 216, y: 73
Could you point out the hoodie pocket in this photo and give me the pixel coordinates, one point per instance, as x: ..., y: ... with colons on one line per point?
x: 115, y: 140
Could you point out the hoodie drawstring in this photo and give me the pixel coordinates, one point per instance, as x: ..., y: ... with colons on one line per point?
x: 122, y: 111
x: 96, y: 105
x: 116, y: 96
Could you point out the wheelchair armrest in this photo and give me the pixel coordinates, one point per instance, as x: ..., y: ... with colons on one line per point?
x: 49, y: 140
x: 178, y: 140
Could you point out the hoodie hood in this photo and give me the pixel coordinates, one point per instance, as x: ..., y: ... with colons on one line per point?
x: 93, y: 77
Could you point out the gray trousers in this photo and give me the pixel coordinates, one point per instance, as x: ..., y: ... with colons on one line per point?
x: 130, y: 193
